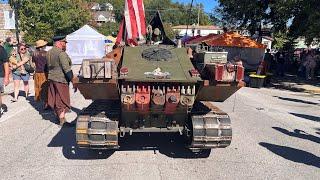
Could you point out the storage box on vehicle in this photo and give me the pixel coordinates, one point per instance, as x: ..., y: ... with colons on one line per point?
x: 256, y: 81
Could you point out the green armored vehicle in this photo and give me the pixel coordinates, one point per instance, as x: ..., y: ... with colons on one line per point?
x: 156, y: 88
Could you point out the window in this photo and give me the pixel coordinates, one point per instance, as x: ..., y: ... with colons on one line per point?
x: 9, y: 19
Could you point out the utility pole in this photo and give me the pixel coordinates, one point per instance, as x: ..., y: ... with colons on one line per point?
x: 15, y: 5
x: 198, y: 15
x: 188, y: 20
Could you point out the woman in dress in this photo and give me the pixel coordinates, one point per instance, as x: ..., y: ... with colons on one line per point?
x: 41, y: 73
x: 19, y: 73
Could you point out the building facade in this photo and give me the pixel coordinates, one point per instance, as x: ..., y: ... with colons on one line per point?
x: 6, y: 20
x: 102, y: 13
x: 194, y: 30
x: 266, y: 40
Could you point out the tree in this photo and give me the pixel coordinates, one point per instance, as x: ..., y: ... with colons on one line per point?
x: 108, y: 28
x: 305, y: 21
x: 214, y: 19
x: 42, y: 19
x: 247, y: 14
x: 177, y: 13
x: 172, y: 13
x: 294, y: 17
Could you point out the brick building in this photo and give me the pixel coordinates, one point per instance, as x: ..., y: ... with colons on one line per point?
x: 4, y: 31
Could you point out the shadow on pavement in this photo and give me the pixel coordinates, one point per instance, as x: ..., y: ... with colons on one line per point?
x: 66, y: 139
x: 47, y: 114
x: 290, y: 82
x: 297, y: 100
x: 318, y: 130
x: 287, y: 87
x: 299, y: 134
x: 292, y: 154
x: 308, y: 117
x: 169, y: 144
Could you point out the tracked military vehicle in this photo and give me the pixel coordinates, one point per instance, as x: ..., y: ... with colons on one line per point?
x: 156, y: 88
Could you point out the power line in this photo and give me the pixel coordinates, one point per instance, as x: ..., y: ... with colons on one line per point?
x: 171, y: 9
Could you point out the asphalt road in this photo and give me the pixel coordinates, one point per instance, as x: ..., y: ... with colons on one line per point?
x: 276, y: 135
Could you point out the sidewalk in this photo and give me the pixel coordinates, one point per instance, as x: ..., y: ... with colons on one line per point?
x: 294, y: 83
x: 23, y: 106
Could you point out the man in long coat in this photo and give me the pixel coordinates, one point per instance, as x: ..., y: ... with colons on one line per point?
x: 4, y: 74
x: 59, y: 76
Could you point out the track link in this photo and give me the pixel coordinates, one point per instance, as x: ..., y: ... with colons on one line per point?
x: 97, y: 126
x: 211, y: 127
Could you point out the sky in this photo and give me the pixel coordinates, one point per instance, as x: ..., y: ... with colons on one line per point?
x: 208, y: 4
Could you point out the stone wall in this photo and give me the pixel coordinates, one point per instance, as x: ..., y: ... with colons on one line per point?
x: 4, y: 32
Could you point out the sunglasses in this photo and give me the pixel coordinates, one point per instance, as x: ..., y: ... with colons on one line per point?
x: 22, y: 49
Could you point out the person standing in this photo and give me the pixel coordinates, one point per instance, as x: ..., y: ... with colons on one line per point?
x: 4, y: 74
x: 280, y: 63
x: 8, y: 46
x: 19, y: 73
x: 41, y: 72
x: 310, y: 65
x: 268, y: 59
x: 59, y: 77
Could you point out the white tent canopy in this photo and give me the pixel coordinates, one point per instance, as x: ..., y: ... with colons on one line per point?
x: 85, y: 43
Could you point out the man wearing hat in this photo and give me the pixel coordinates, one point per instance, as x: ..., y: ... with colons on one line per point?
x: 41, y: 72
x: 156, y: 36
x: 59, y: 77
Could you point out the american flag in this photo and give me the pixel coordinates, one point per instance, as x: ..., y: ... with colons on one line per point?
x: 133, y: 23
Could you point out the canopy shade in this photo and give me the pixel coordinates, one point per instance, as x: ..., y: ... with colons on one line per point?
x: 200, y: 39
x: 232, y: 39
x: 85, y: 43
x: 110, y: 40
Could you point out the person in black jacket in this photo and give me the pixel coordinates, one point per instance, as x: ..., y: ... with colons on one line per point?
x: 4, y: 74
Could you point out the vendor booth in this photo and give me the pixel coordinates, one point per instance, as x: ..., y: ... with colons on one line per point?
x: 250, y: 51
x: 109, y: 43
x: 85, y: 43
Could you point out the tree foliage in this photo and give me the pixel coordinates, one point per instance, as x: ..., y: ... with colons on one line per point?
x: 292, y: 17
x: 172, y: 13
x: 46, y: 18
x: 177, y: 13
x: 42, y: 19
x: 109, y: 28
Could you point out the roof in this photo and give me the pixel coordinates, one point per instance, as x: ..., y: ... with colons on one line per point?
x: 94, y: 6
x: 232, y: 39
x: 200, y: 39
x: 102, y: 15
x: 86, y: 33
x: 211, y: 27
x: 187, y: 39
